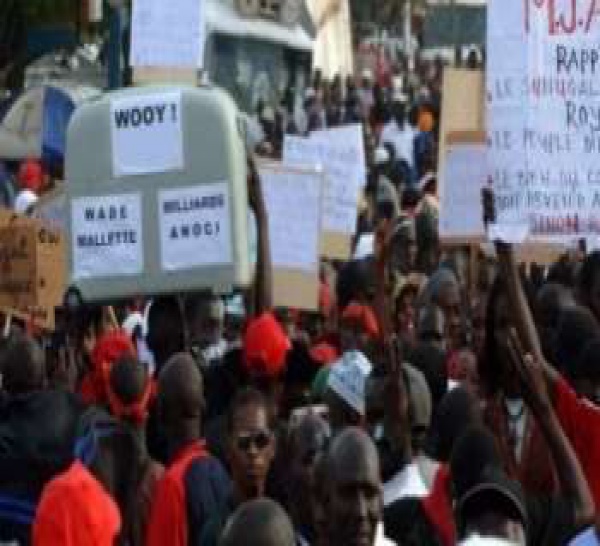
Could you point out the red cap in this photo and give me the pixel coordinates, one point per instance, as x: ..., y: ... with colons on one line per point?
x: 363, y: 315
x: 74, y: 510
x: 110, y: 347
x: 265, y: 346
x: 324, y: 354
x: 31, y: 175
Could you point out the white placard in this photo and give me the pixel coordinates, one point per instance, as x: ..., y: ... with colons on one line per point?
x: 343, y: 184
x: 107, y: 236
x: 195, y: 227
x: 350, y: 141
x: 465, y: 174
x: 544, y: 117
x: 167, y: 33
x: 293, y: 201
x: 147, y: 134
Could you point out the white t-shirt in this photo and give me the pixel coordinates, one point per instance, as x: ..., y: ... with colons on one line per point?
x: 401, y: 139
x: 407, y: 483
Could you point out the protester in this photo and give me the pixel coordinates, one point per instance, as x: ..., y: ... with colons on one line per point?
x: 354, y: 506
x: 131, y: 392
x: 87, y: 503
x: 194, y: 485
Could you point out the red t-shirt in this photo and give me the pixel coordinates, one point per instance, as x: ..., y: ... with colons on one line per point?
x: 168, y: 516
x: 580, y: 420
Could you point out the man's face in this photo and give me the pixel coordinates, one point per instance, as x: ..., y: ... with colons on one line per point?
x: 251, y: 449
x: 355, y: 502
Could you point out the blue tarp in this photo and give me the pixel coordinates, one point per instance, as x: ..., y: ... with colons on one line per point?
x: 58, y: 108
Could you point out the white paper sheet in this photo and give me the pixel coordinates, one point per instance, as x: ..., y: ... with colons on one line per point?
x: 544, y: 117
x: 342, y: 188
x: 167, y: 33
x: 465, y: 175
x: 195, y: 227
x: 293, y: 201
x: 147, y: 134
x: 107, y: 236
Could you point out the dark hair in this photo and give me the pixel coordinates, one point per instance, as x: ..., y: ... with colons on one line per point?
x: 474, y: 451
x: 22, y: 364
x: 586, y: 366
x: 430, y: 360
x: 457, y: 411
x: 128, y: 379
x: 243, y: 399
x: 489, y: 367
x: 166, y: 330
x: 576, y: 328
x: 588, y: 272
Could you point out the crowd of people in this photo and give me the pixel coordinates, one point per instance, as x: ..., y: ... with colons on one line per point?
x: 425, y: 403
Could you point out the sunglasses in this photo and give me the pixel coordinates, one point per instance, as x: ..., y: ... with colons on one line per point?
x: 260, y: 439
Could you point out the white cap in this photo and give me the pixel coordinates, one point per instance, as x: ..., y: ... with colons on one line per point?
x: 133, y: 321
x: 382, y: 156
x: 24, y: 201
x: 348, y: 377
x: 310, y: 94
x: 367, y: 74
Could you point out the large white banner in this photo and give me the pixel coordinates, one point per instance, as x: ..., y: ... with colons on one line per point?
x: 543, y: 93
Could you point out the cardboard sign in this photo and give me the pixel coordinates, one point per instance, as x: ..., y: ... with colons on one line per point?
x: 294, y: 198
x: 32, y: 265
x: 147, y: 135
x: 107, y: 236
x: 544, y: 118
x: 463, y: 106
x: 167, y: 34
x: 194, y: 227
x: 463, y: 178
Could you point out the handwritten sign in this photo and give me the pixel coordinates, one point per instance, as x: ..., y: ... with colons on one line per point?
x: 194, y: 227
x: 338, y: 159
x: 293, y: 201
x: 167, y: 34
x: 349, y: 139
x: 32, y: 265
x: 464, y: 176
x: 146, y: 133
x: 107, y: 236
x: 544, y: 117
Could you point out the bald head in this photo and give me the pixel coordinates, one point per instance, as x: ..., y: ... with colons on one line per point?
x: 351, y: 449
x: 180, y: 390
x: 23, y: 365
x: 260, y: 522
x: 354, y: 505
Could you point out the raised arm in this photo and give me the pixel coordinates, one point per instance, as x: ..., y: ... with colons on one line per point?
x: 574, y: 486
x: 263, y: 284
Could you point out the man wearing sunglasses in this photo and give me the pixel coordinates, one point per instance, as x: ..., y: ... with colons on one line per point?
x: 250, y: 449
